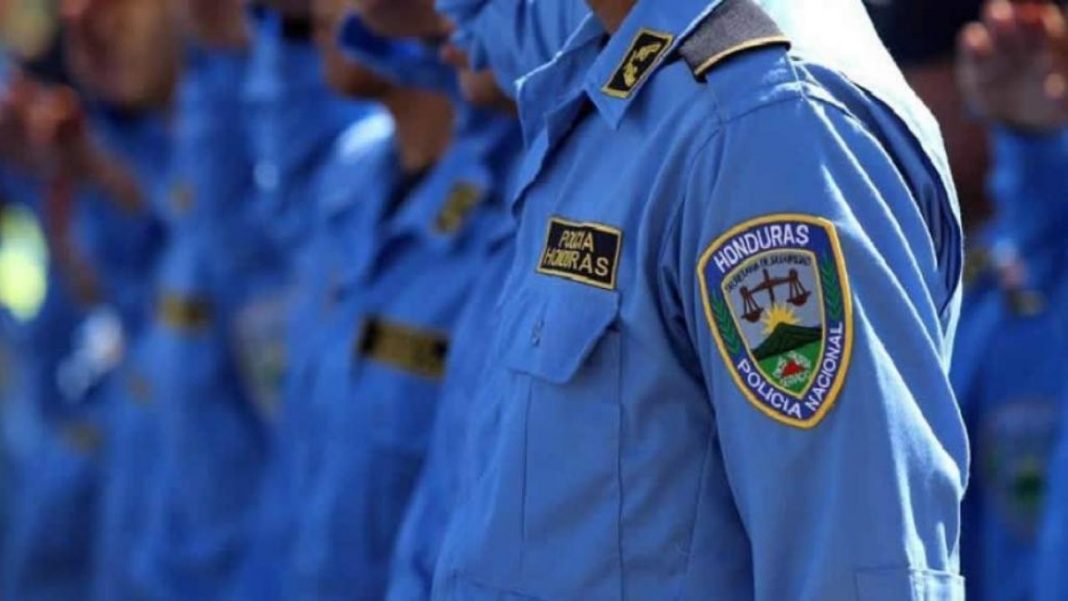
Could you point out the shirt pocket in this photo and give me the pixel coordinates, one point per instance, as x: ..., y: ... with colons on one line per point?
x: 565, y: 356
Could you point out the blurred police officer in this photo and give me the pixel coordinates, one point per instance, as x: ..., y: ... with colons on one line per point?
x: 512, y: 39
x: 1014, y: 65
x: 101, y: 163
x: 298, y: 124
x: 426, y: 218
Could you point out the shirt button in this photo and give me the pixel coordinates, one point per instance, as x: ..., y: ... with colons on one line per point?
x: 535, y: 335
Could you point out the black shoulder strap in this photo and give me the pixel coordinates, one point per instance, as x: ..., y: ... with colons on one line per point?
x: 734, y: 26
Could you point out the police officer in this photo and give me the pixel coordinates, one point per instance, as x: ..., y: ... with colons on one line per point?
x: 429, y: 210
x: 1013, y: 71
x: 212, y: 439
x: 723, y: 343
x: 529, y: 34
x: 298, y: 129
x: 109, y: 162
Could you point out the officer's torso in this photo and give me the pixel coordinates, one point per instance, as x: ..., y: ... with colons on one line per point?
x: 606, y: 448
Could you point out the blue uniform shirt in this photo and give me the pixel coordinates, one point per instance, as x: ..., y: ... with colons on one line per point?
x: 132, y: 420
x: 294, y: 121
x: 301, y: 135
x: 435, y: 497
x: 416, y: 247
x: 55, y: 521
x: 1023, y: 322
x: 218, y: 264
x: 724, y: 340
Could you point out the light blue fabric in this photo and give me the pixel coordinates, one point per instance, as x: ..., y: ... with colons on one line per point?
x: 624, y: 461
x: 131, y: 420
x: 1016, y: 410
x: 56, y: 520
x: 294, y: 121
x: 212, y: 441
x: 298, y: 445
x: 305, y: 140
x: 405, y: 266
x: 435, y: 497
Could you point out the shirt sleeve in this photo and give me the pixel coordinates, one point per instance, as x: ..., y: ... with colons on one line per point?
x: 810, y: 287
x: 1027, y: 182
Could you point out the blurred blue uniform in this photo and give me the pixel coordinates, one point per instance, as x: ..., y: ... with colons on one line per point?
x: 512, y: 38
x: 417, y: 244
x: 131, y: 422
x: 435, y: 497
x: 301, y: 137
x: 56, y: 525
x: 219, y: 265
x: 295, y: 120
x: 724, y: 339
x: 1016, y: 408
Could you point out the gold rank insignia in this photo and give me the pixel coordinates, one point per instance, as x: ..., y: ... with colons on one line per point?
x: 587, y: 253
x: 413, y: 350
x: 184, y: 314
x: 645, y: 53
x: 463, y: 198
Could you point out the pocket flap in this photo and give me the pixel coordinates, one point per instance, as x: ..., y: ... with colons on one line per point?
x: 553, y: 334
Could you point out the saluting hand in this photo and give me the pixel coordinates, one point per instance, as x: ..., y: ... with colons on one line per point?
x: 1013, y: 65
x: 403, y: 18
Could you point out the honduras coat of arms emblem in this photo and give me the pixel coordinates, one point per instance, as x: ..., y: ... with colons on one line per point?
x: 777, y: 299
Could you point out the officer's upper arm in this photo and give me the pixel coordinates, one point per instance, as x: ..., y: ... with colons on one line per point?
x: 806, y: 269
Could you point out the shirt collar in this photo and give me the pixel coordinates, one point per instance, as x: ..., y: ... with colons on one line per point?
x: 467, y: 175
x: 666, y: 22
x: 583, y: 66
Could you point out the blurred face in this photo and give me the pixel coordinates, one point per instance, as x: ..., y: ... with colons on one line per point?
x: 344, y: 75
x: 125, y: 52
x: 402, y: 18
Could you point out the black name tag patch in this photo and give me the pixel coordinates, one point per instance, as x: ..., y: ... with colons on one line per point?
x: 641, y: 59
x: 185, y: 314
x: 417, y: 351
x: 582, y: 252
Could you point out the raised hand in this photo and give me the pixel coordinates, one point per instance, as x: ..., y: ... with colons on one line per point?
x: 1013, y: 65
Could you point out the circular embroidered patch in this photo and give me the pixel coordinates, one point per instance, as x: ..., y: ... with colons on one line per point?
x: 777, y: 299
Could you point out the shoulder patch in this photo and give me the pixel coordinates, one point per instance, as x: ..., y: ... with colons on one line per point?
x: 733, y: 27
x: 776, y: 295
x: 587, y: 253
x: 645, y: 53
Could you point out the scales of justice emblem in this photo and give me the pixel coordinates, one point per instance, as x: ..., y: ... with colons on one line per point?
x: 777, y: 299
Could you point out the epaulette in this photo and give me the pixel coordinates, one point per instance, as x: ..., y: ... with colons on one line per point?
x: 733, y: 27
